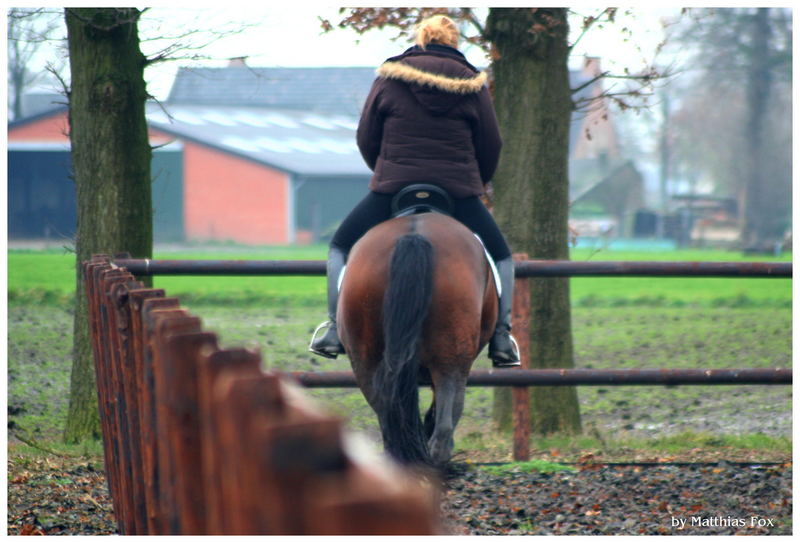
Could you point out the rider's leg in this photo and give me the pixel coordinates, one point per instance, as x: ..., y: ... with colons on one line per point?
x: 503, y: 348
x: 373, y: 209
x: 329, y: 345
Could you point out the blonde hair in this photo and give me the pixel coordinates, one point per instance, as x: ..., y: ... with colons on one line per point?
x: 437, y: 29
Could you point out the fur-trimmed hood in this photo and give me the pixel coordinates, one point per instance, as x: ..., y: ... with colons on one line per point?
x: 429, y: 118
x: 438, y: 76
x: 408, y: 73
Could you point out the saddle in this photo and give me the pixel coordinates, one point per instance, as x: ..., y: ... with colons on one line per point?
x: 421, y: 198
x: 426, y: 198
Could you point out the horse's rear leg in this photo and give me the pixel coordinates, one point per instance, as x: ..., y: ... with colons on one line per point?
x: 448, y: 405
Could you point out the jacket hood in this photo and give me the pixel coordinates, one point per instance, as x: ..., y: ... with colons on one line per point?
x: 404, y: 71
x: 438, y: 79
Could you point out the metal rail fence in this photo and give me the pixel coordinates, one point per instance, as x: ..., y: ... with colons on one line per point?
x: 524, y: 268
x: 199, y: 440
x: 520, y: 379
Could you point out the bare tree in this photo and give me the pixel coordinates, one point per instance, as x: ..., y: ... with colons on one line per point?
x: 733, y: 126
x: 28, y: 30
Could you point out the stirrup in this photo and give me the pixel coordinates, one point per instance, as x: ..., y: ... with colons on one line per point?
x: 326, y: 324
x: 501, y: 363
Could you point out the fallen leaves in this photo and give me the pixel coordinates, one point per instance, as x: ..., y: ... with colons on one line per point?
x: 70, y: 496
x: 55, y: 496
x: 618, y: 499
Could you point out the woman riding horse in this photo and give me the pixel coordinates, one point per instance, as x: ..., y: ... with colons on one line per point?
x: 428, y: 118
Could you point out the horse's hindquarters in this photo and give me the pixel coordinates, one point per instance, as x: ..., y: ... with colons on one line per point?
x: 445, y: 337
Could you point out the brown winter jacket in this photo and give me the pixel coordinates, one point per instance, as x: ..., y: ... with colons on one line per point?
x: 429, y: 118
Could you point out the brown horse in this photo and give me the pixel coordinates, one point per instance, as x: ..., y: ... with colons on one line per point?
x: 418, y: 299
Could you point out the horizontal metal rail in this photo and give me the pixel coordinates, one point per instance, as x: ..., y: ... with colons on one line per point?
x: 527, y: 268
x: 570, y: 377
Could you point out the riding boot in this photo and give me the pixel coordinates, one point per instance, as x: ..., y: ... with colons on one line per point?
x: 329, y: 345
x: 503, y: 349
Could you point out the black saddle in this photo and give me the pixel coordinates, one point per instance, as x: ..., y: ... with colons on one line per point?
x: 421, y: 198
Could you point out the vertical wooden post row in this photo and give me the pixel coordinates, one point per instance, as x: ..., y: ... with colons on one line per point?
x: 199, y: 440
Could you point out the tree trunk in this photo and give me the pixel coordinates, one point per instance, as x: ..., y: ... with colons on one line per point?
x: 111, y: 162
x: 758, y: 231
x: 531, y: 188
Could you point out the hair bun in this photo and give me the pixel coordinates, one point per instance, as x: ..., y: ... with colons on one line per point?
x: 437, y: 29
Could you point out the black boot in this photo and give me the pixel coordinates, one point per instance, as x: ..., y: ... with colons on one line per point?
x: 329, y: 344
x: 503, y: 349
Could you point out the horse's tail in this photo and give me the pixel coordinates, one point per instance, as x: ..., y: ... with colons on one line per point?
x: 405, y: 307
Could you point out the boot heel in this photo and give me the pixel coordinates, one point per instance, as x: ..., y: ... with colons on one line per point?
x: 325, y: 346
x: 505, y: 361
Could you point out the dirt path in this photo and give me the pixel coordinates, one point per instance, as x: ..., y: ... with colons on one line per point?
x: 57, y: 495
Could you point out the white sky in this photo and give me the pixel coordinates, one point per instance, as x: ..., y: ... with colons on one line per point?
x: 290, y: 35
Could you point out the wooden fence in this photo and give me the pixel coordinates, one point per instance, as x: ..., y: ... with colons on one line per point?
x: 200, y: 440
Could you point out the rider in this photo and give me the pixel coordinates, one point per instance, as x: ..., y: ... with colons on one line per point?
x: 428, y: 118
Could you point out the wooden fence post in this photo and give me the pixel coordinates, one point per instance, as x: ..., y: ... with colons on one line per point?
x: 183, y: 424
x: 218, y: 470
x: 167, y: 322
x: 148, y: 411
x: 137, y: 344
x: 109, y: 370
x: 520, y: 402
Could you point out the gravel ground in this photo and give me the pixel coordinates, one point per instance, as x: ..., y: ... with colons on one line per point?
x: 60, y: 496
x: 720, y: 499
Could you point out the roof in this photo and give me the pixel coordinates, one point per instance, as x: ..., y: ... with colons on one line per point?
x: 38, y: 116
x: 330, y: 90
x: 333, y: 90
x: 588, y: 175
x: 298, y: 142
x: 35, y: 103
x: 298, y: 120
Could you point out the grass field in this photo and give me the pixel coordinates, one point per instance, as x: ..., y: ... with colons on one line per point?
x: 617, y: 323
x: 49, y: 276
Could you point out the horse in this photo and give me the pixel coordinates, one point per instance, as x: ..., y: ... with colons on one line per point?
x: 417, y: 301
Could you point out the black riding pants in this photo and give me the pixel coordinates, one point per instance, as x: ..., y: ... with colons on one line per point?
x: 376, y: 208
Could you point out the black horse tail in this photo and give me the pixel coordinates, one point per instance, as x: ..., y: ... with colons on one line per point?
x: 405, y: 308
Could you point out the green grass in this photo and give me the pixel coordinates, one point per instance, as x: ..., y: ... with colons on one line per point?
x: 679, y: 291
x: 26, y: 452
x: 48, y: 277
x: 557, y: 451
x: 678, y: 443
x: 39, y: 343
x: 617, y: 323
x: 685, y: 441
x: 542, y: 466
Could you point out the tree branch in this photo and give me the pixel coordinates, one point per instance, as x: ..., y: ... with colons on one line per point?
x: 470, y: 17
x: 592, y: 81
x: 590, y: 21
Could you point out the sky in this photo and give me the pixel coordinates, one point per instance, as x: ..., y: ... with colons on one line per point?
x: 290, y: 35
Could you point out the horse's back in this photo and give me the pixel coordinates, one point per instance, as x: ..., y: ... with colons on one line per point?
x: 463, y: 294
